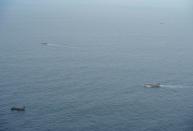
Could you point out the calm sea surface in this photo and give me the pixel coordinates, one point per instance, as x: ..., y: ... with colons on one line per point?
x: 90, y: 75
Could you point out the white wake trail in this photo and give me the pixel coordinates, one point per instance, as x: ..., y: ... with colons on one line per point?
x: 175, y: 86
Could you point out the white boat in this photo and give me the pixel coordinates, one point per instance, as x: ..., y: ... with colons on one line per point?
x: 156, y: 85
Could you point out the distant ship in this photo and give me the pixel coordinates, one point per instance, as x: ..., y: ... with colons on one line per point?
x: 155, y: 85
x: 44, y: 43
x: 18, y: 108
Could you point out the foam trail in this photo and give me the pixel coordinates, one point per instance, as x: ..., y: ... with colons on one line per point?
x: 174, y: 86
x: 52, y: 45
x: 55, y: 45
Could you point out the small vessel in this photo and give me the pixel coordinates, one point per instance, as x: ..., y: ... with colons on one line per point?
x: 18, y: 108
x: 156, y: 85
x: 44, y: 43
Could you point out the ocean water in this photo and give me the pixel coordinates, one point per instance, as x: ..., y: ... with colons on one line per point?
x: 90, y: 75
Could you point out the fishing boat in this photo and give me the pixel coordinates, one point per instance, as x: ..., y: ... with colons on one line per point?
x: 18, y: 108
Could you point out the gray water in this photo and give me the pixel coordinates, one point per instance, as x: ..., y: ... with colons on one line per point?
x: 90, y: 75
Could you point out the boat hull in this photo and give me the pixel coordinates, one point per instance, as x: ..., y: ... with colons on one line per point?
x: 157, y: 85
